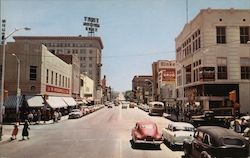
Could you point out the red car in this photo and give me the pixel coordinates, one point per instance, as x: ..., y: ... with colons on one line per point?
x: 146, y: 132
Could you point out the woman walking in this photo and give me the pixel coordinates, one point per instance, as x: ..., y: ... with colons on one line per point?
x: 25, y: 132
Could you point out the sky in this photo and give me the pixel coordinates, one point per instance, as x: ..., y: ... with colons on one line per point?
x: 135, y: 33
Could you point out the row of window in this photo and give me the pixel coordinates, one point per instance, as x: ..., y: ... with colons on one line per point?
x: 221, y: 34
x: 69, y: 44
x: 206, y: 73
x: 57, y: 79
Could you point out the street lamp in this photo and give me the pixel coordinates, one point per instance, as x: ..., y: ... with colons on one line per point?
x: 3, y: 69
x: 152, y: 86
x: 18, y: 92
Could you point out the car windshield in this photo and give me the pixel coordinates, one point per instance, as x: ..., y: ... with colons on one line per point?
x: 183, y: 128
x: 158, y: 106
x: 148, y: 126
x: 75, y: 110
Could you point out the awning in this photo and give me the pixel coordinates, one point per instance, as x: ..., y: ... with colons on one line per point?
x: 10, y: 102
x: 34, y: 101
x: 56, y: 102
x: 69, y: 101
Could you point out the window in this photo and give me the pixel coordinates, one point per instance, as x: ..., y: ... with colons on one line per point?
x: 222, y: 68
x: 69, y: 83
x: 245, y: 68
x: 47, y: 76
x: 90, y: 51
x: 60, y: 79
x: 221, y: 34
x: 56, y: 79
x: 63, y: 81
x: 90, y: 58
x: 244, y: 35
x: 1, y: 72
x: 52, y: 77
x: 33, y: 73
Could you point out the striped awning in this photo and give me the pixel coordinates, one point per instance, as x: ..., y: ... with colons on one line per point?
x: 56, y: 102
x: 34, y: 101
x: 11, y: 102
x: 69, y: 101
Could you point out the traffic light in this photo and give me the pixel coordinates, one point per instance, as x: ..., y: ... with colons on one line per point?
x: 232, y: 96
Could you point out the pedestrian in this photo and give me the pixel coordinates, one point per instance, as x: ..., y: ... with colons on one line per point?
x: 39, y: 115
x: 237, y: 127
x: 30, y: 117
x: 14, y: 132
x: 25, y: 132
x: 244, y: 124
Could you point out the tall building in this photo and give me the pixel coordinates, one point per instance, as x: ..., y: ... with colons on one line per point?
x: 163, y: 74
x: 213, y: 59
x: 142, y: 88
x: 88, y: 49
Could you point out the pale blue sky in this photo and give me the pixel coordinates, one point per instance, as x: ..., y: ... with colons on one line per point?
x: 134, y: 33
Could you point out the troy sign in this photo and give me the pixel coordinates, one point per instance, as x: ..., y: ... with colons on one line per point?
x: 56, y: 89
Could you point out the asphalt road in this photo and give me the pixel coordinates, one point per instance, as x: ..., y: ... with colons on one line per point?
x: 103, y: 134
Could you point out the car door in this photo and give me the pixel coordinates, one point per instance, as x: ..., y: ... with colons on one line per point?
x: 167, y: 132
x: 197, y: 143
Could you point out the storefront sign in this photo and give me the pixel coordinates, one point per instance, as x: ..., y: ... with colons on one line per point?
x: 56, y: 89
x: 168, y: 75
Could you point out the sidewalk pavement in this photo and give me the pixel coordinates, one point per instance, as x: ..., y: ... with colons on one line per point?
x: 7, y: 129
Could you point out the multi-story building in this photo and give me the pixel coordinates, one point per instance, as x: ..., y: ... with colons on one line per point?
x: 41, y: 74
x: 75, y: 78
x: 86, y: 87
x: 163, y: 74
x: 88, y: 49
x: 142, y: 88
x: 213, y: 59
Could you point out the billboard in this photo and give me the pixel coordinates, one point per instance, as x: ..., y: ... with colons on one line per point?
x: 168, y: 75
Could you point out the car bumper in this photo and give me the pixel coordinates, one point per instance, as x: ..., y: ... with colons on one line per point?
x: 148, y: 142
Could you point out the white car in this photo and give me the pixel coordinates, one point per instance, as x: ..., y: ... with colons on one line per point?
x: 177, y: 132
x: 75, y: 113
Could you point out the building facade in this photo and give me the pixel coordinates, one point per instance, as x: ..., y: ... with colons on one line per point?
x: 86, y: 87
x: 75, y: 62
x: 142, y: 88
x: 213, y: 59
x: 88, y: 49
x: 163, y: 74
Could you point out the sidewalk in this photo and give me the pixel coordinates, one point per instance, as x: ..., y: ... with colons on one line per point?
x: 7, y: 129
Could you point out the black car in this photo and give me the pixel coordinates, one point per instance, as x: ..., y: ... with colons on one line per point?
x: 214, y: 142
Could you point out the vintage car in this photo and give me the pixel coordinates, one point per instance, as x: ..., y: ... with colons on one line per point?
x: 75, y: 113
x: 211, y: 118
x: 215, y: 141
x: 156, y: 108
x: 146, y: 132
x: 132, y: 105
x: 177, y: 132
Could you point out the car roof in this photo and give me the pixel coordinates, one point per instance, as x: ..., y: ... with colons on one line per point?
x: 182, y: 124
x: 145, y: 122
x: 219, y: 132
x: 156, y: 102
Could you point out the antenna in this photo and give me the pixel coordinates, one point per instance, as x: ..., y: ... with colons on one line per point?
x: 91, y: 25
x: 186, y: 11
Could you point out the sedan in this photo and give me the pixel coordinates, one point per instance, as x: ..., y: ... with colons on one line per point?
x: 146, y: 132
x: 177, y: 132
x: 75, y: 113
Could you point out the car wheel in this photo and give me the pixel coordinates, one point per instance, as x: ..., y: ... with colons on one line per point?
x: 204, y: 154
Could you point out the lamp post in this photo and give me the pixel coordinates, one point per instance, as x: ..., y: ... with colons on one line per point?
x: 3, y: 69
x: 18, y: 92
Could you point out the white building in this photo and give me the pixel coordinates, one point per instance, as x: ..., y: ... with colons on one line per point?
x: 213, y: 59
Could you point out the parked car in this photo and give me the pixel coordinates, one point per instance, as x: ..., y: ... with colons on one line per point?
x: 125, y: 105
x: 146, y: 132
x: 156, y: 108
x: 110, y: 106
x: 177, y: 132
x: 75, y: 113
x: 215, y: 141
x: 132, y: 105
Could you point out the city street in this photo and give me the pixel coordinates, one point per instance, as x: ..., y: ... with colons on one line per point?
x: 103, y: 134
